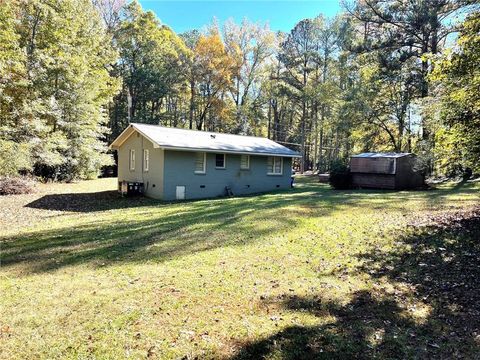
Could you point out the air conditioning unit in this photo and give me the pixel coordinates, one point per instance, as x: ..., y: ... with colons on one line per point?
x: 131, y: 188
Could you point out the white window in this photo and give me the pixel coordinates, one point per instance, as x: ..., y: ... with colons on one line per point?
x: 132, y: 159
x: 244, y: 162
x: 220, y: 161
x: 146, y: 159
x: 200, y: 163
x: 274, y: 165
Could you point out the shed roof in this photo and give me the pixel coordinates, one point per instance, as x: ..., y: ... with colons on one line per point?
x: 193, y: 140
x: 380, y: 155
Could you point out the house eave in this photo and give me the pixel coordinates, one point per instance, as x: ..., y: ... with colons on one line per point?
x: 131, y: 129
x: 221, y: 151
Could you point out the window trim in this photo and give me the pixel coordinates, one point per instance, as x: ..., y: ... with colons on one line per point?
x: 146, y: 160
x: 132, y: 160
x: 204, y: 171
x: 273, y: 167
x: 224, y: 161
x: 248, y: 162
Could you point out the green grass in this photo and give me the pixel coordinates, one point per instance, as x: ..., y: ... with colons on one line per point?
x: 307, y: 273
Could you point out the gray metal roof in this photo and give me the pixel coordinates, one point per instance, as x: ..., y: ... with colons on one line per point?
x: 193, y: 140
x: 381, y: 155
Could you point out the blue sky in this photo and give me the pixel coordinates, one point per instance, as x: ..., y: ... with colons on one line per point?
x: 182, y: 15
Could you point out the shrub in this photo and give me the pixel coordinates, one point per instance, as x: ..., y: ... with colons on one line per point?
x: 14, y: 158
x: 340, y: 178
x: 16, y: 185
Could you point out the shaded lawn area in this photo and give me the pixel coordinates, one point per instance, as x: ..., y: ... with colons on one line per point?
x: 307, y: 273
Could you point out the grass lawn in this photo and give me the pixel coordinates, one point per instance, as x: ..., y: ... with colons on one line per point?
x: 307, y: 273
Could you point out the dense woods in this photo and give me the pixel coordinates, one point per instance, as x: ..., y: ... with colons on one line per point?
x: 386, y: 75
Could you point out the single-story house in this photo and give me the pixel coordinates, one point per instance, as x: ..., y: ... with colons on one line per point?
x: 385, y: 171
x: 177, y: 164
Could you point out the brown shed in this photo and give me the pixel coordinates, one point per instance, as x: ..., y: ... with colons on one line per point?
x: 385, y: 171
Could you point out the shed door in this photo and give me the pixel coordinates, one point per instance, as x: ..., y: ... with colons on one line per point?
x: 180, y: 192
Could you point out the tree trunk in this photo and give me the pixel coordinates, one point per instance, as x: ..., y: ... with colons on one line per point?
x: 320, y: 150
x: 315, y: 145
x: 269, y: 118
x: 302, y: 140
x: 192, y: 104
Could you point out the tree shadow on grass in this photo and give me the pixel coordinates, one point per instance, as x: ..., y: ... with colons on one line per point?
x: 149, y: 230
x: 368, y: 326
x: 156, y: 231
x: 442, y: 265
x: 436, y: 267
x: 88, y: 202
x: 111, y: 200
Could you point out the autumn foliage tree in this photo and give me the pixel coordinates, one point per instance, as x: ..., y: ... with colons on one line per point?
x: 215, y: 69
x: 75, y: 73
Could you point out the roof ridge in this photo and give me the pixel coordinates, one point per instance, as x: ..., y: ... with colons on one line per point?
x: 178, y: 138
x: 201, y: 131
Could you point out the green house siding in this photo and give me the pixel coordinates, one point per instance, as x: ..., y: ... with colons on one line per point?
x: 180, y: 171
